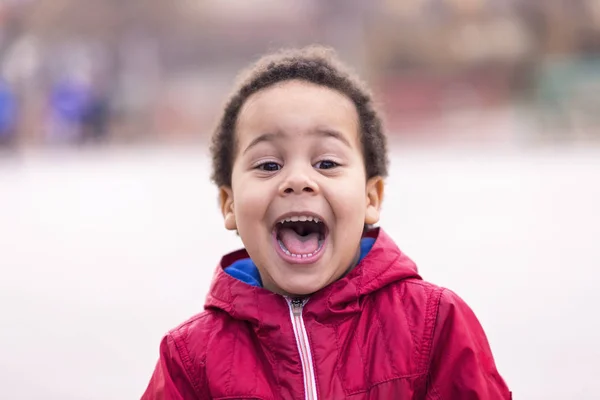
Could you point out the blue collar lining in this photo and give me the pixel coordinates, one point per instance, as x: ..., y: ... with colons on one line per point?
x: 245, y: 270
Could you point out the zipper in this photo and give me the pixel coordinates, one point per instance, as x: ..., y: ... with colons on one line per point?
x: 308, y: 372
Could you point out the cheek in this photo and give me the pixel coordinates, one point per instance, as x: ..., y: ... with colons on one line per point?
x: 249, y: 203
x: 348, y: 201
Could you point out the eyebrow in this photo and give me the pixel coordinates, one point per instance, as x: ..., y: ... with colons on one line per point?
x: 323, y: 132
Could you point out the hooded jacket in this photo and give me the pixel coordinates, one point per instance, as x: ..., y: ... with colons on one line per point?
x: 380, y: 332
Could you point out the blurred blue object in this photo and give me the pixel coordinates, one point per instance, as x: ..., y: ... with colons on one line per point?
x: 8, y: 111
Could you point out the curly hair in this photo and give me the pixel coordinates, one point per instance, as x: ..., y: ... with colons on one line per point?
x: 315, y: 64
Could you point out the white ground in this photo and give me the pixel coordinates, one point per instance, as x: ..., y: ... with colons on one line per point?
x: 102, y: 251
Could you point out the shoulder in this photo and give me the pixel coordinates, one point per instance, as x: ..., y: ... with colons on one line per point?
x: 438, y: 302
x: 420, y: 298
x: 433, y: 302
x: 180, y: 371
x: 425, y: 294
x: 414, y: 304
x: 196, y: 324
x: 191, y: 338
x: 425, y: 307
x: 448, y: 322
x: 449, y: 345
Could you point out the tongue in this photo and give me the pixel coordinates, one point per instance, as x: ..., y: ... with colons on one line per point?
x: 297, y: 244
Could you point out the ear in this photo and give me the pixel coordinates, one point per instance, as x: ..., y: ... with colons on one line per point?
x: 226, y: 201
x: 374, y: 199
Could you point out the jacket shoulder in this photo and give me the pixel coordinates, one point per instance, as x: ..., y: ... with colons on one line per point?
x: 433, y: 307
x: 180, y: 372
x: 428, y: 309
x: 454, y: 350
x: 194, y: 334
x: 408, y: 310
x: 422, y: 299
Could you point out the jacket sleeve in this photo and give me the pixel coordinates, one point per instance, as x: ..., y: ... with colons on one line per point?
x: 171, y: 379
x: 462, y: 365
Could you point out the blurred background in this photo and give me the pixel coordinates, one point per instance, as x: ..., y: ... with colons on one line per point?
x: 75, y: 72
x: 109, y: 226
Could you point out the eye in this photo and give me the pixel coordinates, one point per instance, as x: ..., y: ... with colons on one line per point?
x: 269, y: 166
x: 326, y: 164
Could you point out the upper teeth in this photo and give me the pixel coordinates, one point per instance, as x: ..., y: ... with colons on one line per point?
x: 299, y: 218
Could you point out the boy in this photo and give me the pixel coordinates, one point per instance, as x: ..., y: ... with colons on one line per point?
x: 319, y: 304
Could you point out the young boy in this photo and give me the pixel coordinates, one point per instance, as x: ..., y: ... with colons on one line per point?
x: 319, y: 304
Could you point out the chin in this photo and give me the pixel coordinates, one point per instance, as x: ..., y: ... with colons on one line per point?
x: 298, y: 289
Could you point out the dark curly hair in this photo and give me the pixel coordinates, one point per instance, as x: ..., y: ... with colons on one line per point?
x: 315, y: 64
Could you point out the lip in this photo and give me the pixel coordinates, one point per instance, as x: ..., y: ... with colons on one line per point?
x: 297, y: 260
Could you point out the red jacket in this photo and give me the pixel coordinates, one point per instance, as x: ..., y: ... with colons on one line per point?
x: 379, y: 333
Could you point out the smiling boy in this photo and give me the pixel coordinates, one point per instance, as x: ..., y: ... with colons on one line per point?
x: 300, y: 158
x: 318, y: 304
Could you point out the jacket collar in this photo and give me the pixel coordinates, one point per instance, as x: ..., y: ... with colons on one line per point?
x: 384, y: 264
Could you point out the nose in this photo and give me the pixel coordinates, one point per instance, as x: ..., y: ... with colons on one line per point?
x: 298, y: 181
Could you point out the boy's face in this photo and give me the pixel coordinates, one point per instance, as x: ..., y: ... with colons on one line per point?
x: 298, y: 154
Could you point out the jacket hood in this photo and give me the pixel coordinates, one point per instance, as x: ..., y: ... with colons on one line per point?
x: 383, y: 265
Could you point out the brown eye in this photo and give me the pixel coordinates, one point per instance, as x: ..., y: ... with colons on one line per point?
x: 326, y: 164
x: 269, y: 166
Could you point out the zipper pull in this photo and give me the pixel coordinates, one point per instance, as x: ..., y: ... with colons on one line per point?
x: 297, y: 304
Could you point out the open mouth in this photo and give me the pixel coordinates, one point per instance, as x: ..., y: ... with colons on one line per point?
x: 300, y: 237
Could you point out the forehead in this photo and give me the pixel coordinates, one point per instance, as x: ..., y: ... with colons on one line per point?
x: 294, y: 108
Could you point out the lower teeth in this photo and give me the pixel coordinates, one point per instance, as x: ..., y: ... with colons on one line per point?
x: 286, y: 251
